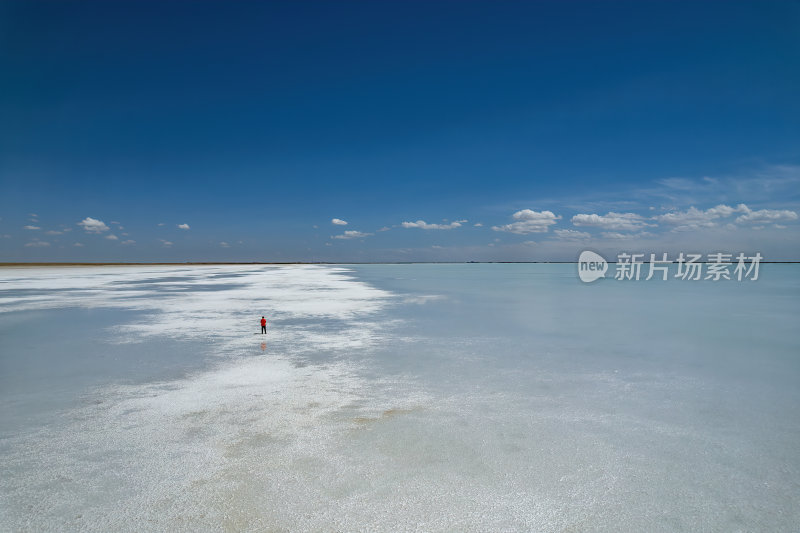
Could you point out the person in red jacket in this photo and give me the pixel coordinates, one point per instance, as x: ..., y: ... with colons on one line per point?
x: 263, y: 325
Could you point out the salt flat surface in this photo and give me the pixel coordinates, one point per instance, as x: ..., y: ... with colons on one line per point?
x: 395, y: 398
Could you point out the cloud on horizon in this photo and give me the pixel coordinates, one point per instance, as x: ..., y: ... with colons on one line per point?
x: 351, y: 234
x: 92, y: 225
x: 693, y: 218
x: 757, y: 214
x: 572, y: 235
x: 529, y: 221
x: 421, y: 224
x: 611, y: 221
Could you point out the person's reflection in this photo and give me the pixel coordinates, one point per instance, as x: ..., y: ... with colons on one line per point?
x: 263, y: 346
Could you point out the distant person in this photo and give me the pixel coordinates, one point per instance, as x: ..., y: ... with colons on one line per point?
x: 263, y: 325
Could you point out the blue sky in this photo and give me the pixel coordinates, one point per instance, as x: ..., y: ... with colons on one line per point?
x: 436, y: 130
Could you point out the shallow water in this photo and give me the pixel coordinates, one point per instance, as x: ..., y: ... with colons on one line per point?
x: 397, y: 397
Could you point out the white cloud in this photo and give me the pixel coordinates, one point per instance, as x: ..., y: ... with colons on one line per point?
x: 183, y: 226
x: 34, y: 215
x: 385, y: 228
x: 161, y: 224
x: 53, y: 232
x: 723, y: 210
x: 572, y: 235
x: 611, y: 220
x: 165, y: 243
x: 529, y: 243
x: 351, y: 234
x: 6, y: 236
x: 224, y: 244
x: 421, y: 224
x: 338, y: 222
x: 696, y: 226
x: 694, y: 218
x: 625, y: 236
x: 129, y: 241
x: 478, y: 225
x: 617, y: 236
x: 112, y: 237
x: 766, y: 215
x: 529, y: 221
x: 78, y: 245
x: 31, y: 227
x: 92, y: 225
x: 37, y: 244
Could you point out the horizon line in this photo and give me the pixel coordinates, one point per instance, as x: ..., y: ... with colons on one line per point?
x: 286, y: 263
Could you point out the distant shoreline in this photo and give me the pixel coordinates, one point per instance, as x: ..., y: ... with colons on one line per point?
x: 221, y: 263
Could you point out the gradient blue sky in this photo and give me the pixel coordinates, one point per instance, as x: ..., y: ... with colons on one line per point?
x: 554, y: 126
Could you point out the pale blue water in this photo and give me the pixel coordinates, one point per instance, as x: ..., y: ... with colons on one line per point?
x: 464, y: 397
